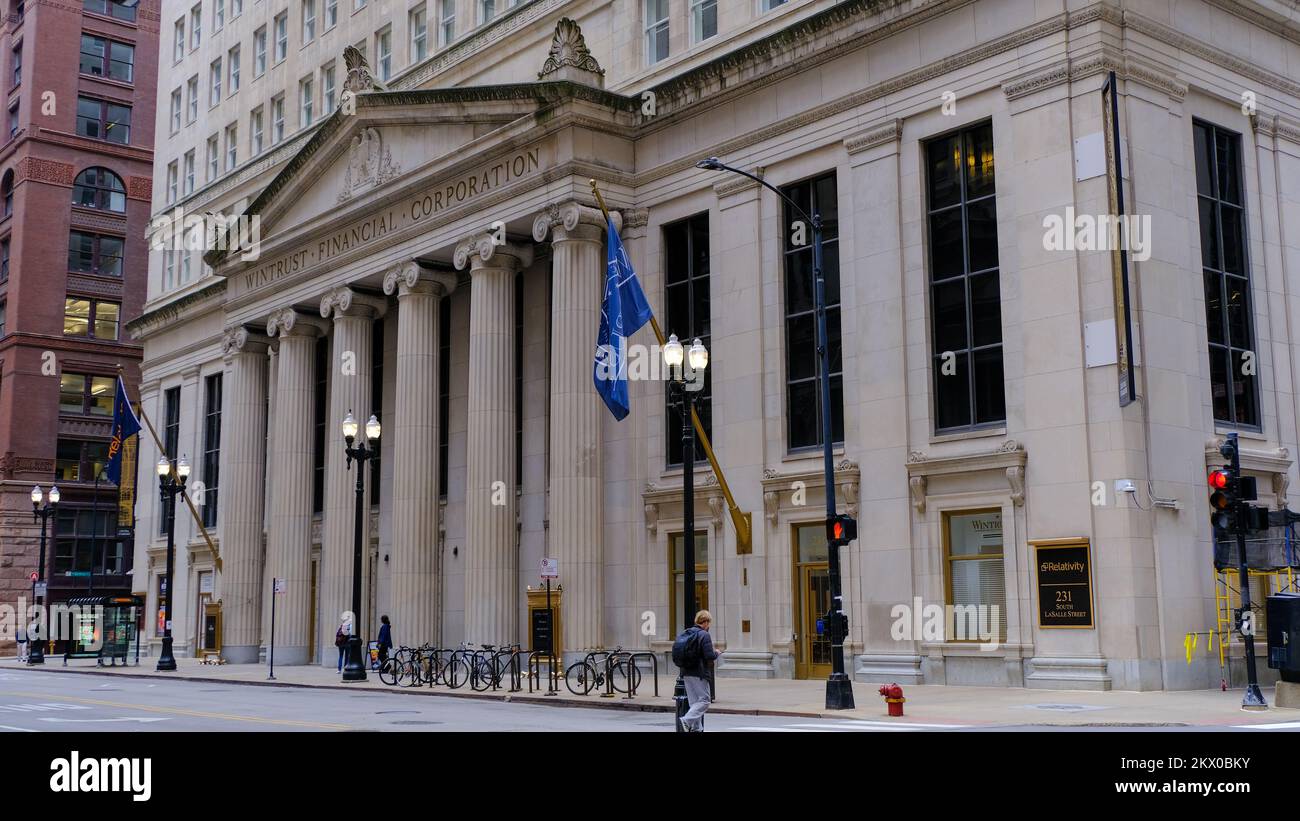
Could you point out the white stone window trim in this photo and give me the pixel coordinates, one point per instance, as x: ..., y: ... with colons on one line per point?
x: 694, y: 6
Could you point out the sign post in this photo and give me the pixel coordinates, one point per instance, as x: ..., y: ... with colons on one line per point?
x: 550, y: 570
x: 277, y: 587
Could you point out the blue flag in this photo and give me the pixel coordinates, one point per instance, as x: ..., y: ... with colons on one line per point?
x: 622, y: 312
x: 125, y: 425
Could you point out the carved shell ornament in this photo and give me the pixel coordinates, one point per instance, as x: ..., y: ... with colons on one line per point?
x: 569, y: 48
x: 359, y: 78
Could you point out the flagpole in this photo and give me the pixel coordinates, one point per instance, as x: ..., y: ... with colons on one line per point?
x: 189, y: 503
x: 742, y: 521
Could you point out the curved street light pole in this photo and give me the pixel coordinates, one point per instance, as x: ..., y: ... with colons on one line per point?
x: 839, y: 688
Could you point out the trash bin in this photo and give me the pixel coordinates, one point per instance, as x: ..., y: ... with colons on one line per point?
x: 373, y: 649
x: 1283, y: 613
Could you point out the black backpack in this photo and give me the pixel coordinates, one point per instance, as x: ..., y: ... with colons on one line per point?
x: 686, y: 648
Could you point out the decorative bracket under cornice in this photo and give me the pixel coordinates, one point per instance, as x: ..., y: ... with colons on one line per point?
x: 1010, y: 458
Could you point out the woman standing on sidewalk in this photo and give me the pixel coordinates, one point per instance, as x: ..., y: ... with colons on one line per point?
x: 341, y: 641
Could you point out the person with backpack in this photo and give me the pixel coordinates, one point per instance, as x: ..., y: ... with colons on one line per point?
x: 341, y: 641
x: 693, y: 652
x: 385, y: 638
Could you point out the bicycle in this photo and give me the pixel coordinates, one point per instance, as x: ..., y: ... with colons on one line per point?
x: 620, y: 672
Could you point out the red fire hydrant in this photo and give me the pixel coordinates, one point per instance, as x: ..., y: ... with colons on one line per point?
x: 893, y: 697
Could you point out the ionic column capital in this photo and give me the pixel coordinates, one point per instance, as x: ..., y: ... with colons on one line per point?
x: 572, y: 220
x: 240, y: 340
x: 411, y: 277
x: 292, y: 322
x: 343, y: 301
x: 480, y: 251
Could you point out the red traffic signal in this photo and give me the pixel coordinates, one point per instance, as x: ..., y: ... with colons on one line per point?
x: 1219, y: 479
x: 841, y: 529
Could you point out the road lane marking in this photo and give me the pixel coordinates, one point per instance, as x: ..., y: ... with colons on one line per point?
x: 102, y: 720
x: 17, y: 729
x: 1288, y: 725
x: 39, y: 708
x: 202, y: 714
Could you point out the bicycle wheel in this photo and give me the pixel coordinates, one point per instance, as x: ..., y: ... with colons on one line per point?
x: 580, y: 678
x: 410, y: 675
x: 481, y: 679
x: 388, y: 672
x: 457, y: 673
x: 621, y: 672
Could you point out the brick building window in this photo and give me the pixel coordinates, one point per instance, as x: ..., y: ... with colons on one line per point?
x: 101, y: 57
x: 117, y: 9
x: 99, y: 188
x: 76, y: 460
x: 86, y: 395
x: 7, y: 193
x: 102, y: 120
x: 95, y: 254
x: 94, y: 318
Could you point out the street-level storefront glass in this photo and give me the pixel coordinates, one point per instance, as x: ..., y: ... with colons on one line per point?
x: 974, y: 573
x: 812, y: 598
x: 677, y: 548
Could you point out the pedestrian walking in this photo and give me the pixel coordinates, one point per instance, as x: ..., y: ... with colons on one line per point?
x: 693, y: 652
x: 385, y: 638
x: 21, y: 638
x: 341, y: 641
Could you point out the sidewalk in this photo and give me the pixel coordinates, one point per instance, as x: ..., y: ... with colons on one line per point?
x: 926, y: 704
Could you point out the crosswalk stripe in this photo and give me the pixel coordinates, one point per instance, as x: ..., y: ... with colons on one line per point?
x: 1288, y: 725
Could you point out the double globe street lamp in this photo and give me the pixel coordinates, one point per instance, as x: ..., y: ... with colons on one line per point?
x: 42, y: 513
x: 355, y: 669
x: 684, y: 385
x: 171, y: 483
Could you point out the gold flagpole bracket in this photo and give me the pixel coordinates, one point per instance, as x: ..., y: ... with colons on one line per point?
x: 741, y: 520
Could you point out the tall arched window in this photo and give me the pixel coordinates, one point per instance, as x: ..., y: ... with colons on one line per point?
x: 7, y: 192
x: 99, y: 188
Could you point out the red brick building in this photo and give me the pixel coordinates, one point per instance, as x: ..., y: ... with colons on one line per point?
x: 76, y: 155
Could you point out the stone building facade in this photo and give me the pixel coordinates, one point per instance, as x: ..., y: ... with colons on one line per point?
x: 431, y: 252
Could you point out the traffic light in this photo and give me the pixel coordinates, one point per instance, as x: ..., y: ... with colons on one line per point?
x: 1229, y: 511
x: 1223, y: 504
x: 841, y: 529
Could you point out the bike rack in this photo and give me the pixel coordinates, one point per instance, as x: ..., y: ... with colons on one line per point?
x: 536, y: 659
x: 654, y: 671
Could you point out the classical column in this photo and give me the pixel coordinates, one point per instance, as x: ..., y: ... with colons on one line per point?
x: 414, y: 432
x: 349, y: 391
x: 289, y: 543
x: 490, y: 522
x: 578, y: 276
x: 243, y: 499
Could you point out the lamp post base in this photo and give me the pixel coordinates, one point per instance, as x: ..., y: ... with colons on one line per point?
x: 354, y: 670
x: 37, y: 654
x: 680, y: 702
x: 839, y: 692
x: 166, y: 661
x: 1253, y: 699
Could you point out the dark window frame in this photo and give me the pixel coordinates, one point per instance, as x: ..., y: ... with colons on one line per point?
x: 85, y: 460
x: 106, y: 60
x: 86, y: 403
x: 98, y: 181
x: 105, y: 126
x: 696, y: 283
x: 96, y: 254
x: 92, y: 318
x: 212, y: 399
x: 113, y: 9
x: 171, y: 442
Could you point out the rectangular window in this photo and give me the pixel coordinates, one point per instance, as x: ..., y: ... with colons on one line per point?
x: 214, y: 83
x: 446, y: 22
x: 232, y: 60
x: 306, y: 94
x: 768, y: 5
x: 487, y: 9
x: 686, y: 300
x: 86, y: 395
x: 91, y: 318
x: 16, y: 61
x: 185, y: 266
x: 965, y: 296
x: 4, y: 259
x: 327, y: 88
x: 320, y: 403
x: 102, y: 120
x: 1225, y: 268
x: 196, y: 26
x: 83, y: 542
x: 236, y: 8
x: 232, y: 146
x: 973, y: 573
x: 376, y: 398
x: 358, y: 5
x: 175, y: 111
x: 13, y: 120
x: 171, y: 440
x: 172, y: 178
x: 331, y: 13
x: 281, y: 36
x: 211, y: 449
x: 259, y: 52
x: 308, y: 21
x: 704, y: 19
x: 178, y: 40
x: 188, y: 172
x: 677, y: 550
x: 802, y: 364
x: 384, y: 53
x: 104, y: 58
x: 419, y: 34
x: 218, y: 14
x: 117, y: 9
x: 213, y: 156
x: 79, y: 461
x: 169, y: 270
x: 277, y: 119
x: 192, y: 99
x: 2, y: 310
x: 95, y: 254
x: 656, y: 30
x: 255, y: 131
x: 444, y: 393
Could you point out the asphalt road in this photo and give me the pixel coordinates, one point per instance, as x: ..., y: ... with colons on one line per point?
x: 37, y: 701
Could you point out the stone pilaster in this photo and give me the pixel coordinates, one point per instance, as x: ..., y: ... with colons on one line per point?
x: 349, y: 391
x: 414, y: 429
x: 490, y: 521
x: 243, y: 502
x: 289, y: 542
x: 576, y: 522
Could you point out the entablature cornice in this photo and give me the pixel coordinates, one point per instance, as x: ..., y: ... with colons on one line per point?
x: 1010, y: 458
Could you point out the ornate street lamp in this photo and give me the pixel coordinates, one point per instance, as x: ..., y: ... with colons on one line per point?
x: 355, y: 669
x: 682, y: 391
x: 42, y: 513
x: 171, y: 483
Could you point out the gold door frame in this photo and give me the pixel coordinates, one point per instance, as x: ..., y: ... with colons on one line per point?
x: 803, y: 666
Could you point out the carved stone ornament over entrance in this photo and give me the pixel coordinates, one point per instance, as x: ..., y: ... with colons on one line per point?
x: 369, y: 164
x: 570, y: 59
x: 359, y: 78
